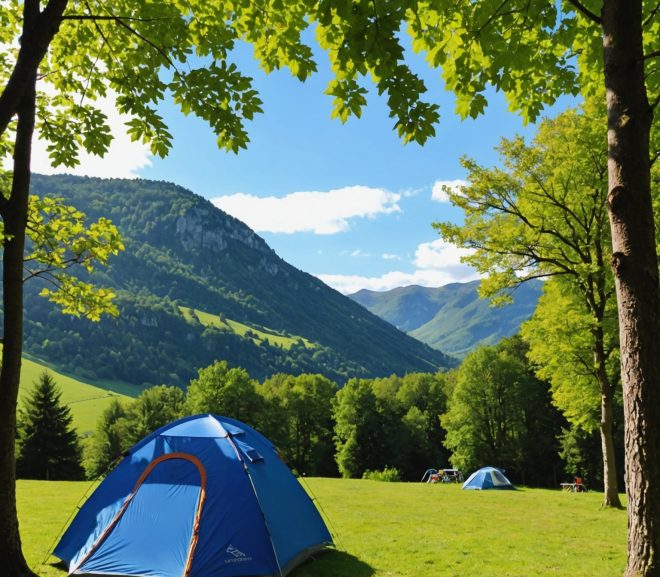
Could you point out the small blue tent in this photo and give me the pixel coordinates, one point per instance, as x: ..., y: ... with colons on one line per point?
x: 205, y: 496
x: 487, y: 478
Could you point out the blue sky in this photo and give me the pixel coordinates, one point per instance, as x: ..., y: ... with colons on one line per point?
x: 348, y: 203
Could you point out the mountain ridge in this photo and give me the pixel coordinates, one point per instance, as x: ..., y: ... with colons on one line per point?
x: 183, y: 253
x: 452, y: 317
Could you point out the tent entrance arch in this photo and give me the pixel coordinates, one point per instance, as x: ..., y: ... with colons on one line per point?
x: 178, y: 479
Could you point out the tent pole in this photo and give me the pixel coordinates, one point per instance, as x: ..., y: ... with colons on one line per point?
x: 256, y: 495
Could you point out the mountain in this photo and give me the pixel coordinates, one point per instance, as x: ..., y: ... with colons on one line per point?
x: 451, y: 318
x: 195, y: 285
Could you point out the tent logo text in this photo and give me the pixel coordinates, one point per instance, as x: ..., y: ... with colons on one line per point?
x: 237, y: 554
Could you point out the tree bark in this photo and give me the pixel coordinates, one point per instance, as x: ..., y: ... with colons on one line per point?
x: 14, y: 215
x: 635, y: 266
x: 611, y: 496
x: 611, y: 492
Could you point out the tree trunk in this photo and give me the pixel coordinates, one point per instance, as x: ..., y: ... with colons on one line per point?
x: 14, y: 215
x: 599, y: 298
x: 611, y: 492
x: 611, y: 497
x: 635, y: 266
x: 18, y: 99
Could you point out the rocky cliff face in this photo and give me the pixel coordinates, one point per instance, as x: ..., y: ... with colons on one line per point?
x: 200, y: 227
x: 193, y: 233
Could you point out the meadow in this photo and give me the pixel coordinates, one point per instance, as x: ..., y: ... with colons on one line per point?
x: 410, y: 530
x: 87, y: 400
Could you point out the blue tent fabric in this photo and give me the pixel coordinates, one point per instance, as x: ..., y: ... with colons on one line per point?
x: 487, y: 478
x: 205, y: 496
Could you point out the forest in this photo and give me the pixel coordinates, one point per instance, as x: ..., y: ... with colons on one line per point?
x: 492, y: 410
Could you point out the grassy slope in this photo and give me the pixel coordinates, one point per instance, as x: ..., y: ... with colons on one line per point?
x: 210, y: 320
x: 86, y: 400
x: 414, y: 530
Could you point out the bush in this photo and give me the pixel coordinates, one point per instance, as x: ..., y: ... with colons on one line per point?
x: 391, y: 475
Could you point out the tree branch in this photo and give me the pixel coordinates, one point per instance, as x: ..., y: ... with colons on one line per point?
x: 121, y: 20
x: 492, y: 17
x: 110, y: 17
x: 107, y: 43
x: 651, y: 16
x: 586, y: 12
x: 34, y: 45
x: 149, y: 42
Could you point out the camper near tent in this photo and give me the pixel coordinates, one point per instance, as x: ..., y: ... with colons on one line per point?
x: 205, y: 496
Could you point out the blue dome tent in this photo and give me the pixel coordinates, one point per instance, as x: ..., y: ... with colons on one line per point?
x: 205, y: 496
x: 487, y: 478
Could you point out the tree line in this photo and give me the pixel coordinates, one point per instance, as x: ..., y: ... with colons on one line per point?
x: 492, y: 410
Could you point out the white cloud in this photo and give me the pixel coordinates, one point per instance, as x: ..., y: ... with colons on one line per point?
x: 412, y: 192
x: 318, y: 212
x: 440, y: 195
x: 123, y: 160
x: 441, y: 255
x: 437, y: 264
x: 388, y: 256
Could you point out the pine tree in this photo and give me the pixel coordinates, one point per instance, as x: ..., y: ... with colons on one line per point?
x: 48, y: 446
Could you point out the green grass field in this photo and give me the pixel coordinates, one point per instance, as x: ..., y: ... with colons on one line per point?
x: 86, y: 399
x: 412, y: 530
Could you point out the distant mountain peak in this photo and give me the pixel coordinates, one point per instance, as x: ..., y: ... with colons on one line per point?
x: 452, y: 317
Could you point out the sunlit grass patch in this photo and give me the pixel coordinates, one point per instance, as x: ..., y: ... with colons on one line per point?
x: 87, y: 400
x: 258, y: 335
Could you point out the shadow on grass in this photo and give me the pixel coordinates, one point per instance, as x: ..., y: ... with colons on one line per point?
x: 55, y: 567
x: 330, y: 564
x: 334, y: 564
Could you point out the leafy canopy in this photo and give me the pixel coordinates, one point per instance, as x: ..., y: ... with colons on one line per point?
x: 498, y: 413
x: 560, y: 336
x: 121, y: 425
x: 224, y: 391
x: 60, y: 239
x: 141, y: 53
x: 543, y: 212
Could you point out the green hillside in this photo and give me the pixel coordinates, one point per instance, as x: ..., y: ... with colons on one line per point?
x: 86, y: 400
x: 251, y: 308
x: 451, y: 318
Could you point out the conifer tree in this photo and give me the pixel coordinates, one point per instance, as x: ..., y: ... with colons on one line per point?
x: 48, y: 446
